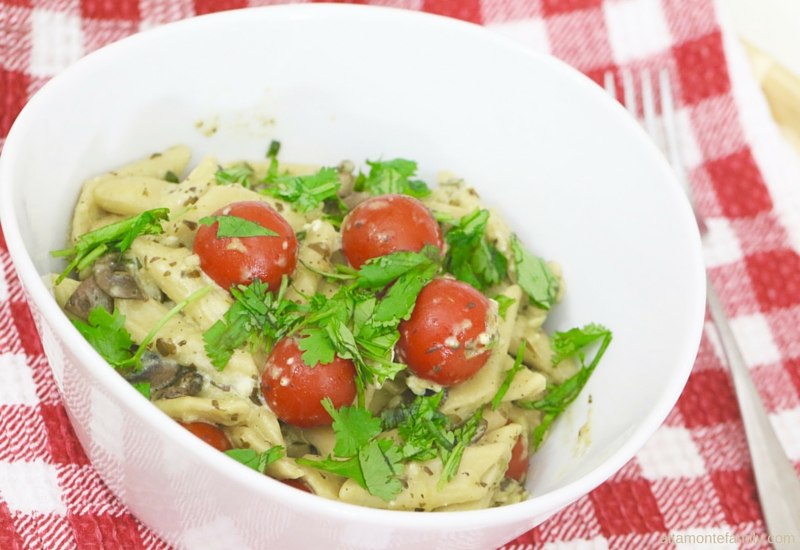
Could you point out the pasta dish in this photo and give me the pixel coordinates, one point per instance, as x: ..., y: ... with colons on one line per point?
x: 355, y: 334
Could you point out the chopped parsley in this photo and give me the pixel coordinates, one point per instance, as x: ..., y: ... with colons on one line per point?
x: 503, y: 303
x: 305, y: 192
x: 356, y: 324
x: 428, y: 433
x: 117, y: 237
x: 255, y: 460
x: 240, y: 174
x: 534, y: 276
x: 510, y: 374
x: 106, y: 334
x: 171, y: 177
x: 257, y: 317
x: 234, y: 226
x: 392, y: 177
x: 470, y: 257
x: 561, y: 395
x: 359, y: 454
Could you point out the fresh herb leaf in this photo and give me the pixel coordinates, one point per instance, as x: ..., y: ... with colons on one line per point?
x: 317, y: 347
x: 234, y: 226
x: 560, y: 396
x: 503, y: 303
x: 235, y: 174
x: 378, y: 272
x: 143, y: 388
x: 171, y: 177
x: 257, y: 317
x: 257, y: 461
x: 534, y: 276
x: 274, y: 149
x: 462, y: 436
x: 423, y: 428
x: 372, y: 463
x: 427, y: 433
x: 106, y: 334
x: 512, y: 372
x: 470, y: 257
x: 392, y: 177
x: 305, y: 192
x: 117, y: 236
x: 380, y: 462
x: 567, y: 344
x: 350, y: 468
x: 357, y: 325
x: 354, y: 428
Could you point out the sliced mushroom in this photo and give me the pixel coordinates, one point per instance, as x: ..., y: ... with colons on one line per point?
x: 167, y: 378
x: 88, y: 296
x: 116, y: 282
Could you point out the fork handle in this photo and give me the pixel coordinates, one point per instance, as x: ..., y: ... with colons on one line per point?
x: 776, y: 479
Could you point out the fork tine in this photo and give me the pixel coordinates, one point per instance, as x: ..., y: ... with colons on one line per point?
x: 671, y: 129
x: 673, y: 147
x: 629, y: 92
x: 649, y: 108
x: 609, y: 85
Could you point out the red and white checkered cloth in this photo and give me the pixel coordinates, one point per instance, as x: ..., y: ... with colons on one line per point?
x: 693, y: 477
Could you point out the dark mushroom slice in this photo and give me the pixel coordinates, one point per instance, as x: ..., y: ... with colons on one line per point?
x: 88, y: 296
x: 168, y: 379
x: 115, y: 280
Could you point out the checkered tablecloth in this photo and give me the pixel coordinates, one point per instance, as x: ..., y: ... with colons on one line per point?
x: 693, y: 477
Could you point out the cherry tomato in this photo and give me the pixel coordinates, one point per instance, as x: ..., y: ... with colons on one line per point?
x: 240, y: 260
x: 518, y: 465
x: 294, y: 391
x: 445, y: 339
x: 385, y: 224
x: 297, y: 484
x: 209, y: 433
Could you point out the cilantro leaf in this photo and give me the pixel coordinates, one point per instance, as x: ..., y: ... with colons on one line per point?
x: 143, y: 388
x: 106, y: 334
x: 354, y: 428
x: 470, y: 257
x: 257, y: 317
x: 560, y: 396
x: 372, y: 463
x: 512, y: 372
x: 378, y: 272
x: 234, y: 226
x: 117, y: 236
x: 392, y: 177
x: 503, y: 303
x: 463, y: 435
x: 534, y: 276
x: 317, y: 347
x: 305, y: 192
x: 380, y: 461
x: 257, y: 461
x: 567, y: 344
x: 235, y: 174
x: 350, y: 468
x: 427, y: 433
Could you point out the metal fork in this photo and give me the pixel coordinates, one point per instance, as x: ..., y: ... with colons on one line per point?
x: 776, y: 480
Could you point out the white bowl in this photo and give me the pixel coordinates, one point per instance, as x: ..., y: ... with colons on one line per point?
x: 576, y: 177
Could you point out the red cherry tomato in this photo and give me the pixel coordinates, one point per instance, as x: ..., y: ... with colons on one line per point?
x: 444, y: 341
x: 385, y: 224
x: 209, y: 433
x: 240, y: 260
x: 518, y: 465
x: 294, y: 391
x: 297, y: 484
